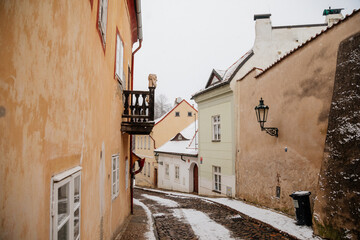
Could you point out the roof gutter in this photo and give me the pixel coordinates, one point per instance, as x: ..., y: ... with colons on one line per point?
x: 140, y: 37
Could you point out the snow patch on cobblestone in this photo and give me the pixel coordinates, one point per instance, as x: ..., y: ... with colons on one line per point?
x: 277, y: 220
x: 204, y: 227
x: 150, y: 234
x: 162, y: 201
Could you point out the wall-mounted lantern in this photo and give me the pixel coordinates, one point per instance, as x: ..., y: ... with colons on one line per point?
x: 261, y: 114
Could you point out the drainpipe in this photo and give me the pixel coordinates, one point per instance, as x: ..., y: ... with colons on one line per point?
x: 140, y: 37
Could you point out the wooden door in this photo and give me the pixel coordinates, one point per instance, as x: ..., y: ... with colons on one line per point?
x: 155, y: 177
x: 196, y: 179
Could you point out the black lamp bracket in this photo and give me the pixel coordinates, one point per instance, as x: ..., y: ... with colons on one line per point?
x: 271, y: 131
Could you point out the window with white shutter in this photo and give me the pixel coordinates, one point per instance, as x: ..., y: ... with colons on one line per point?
x: 115, y: 176
x: 119, y: 65
x: 103, y: 5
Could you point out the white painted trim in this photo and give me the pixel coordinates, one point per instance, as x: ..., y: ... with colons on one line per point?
x: 61, y: 176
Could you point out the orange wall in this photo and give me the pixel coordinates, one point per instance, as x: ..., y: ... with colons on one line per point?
x: 62, y: 104
x: 298, y: 91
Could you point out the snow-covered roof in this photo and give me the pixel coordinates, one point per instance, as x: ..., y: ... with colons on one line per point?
x: 224, y: 76
x: 184, y: 147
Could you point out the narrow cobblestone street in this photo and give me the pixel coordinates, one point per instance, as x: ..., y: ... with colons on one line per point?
x: 180, y: 217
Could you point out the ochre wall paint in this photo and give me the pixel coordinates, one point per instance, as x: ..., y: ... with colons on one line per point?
x: 298, y: 91
x: 62, y: 104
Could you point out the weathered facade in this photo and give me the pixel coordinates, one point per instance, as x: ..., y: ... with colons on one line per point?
x: 64, y: 161
x: 219, y: 98
x: 166, y: 127
x: 299, y: 90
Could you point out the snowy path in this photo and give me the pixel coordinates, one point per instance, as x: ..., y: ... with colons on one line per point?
x: 275, y: 219
x: 150, y: 234
x: 185, y: 216
x: 196, y: 219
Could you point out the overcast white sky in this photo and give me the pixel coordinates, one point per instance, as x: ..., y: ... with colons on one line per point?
x: 185, y: 39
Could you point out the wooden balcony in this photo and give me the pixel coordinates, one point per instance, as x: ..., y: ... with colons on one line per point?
x: 138, y: 116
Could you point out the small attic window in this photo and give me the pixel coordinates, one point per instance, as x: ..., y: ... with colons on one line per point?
x: 189, y: 114
x: 179, y: 137
x: 177, y: 114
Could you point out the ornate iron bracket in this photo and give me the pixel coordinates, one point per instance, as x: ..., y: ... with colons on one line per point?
x: 271, y: 131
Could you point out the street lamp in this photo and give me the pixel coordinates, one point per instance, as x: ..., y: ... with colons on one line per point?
x: 261, y: 114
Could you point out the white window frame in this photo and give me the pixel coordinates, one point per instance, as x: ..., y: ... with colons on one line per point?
x: 119, y: 64
x: 141, y: 142
x: 144, y: 169
x: 103, y: 6
x: 149, y: 142
x: 167, y: 168
x: 149, y: 169
x: 177, y: 173
x: 114, y: 176
x: 126, y: 173
x: 216, y: 129
x: 217, y: 178
x: 59, y: 181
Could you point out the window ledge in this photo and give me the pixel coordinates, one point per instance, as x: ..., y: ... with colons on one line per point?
x: 216, y: 191
x: 216, y: 140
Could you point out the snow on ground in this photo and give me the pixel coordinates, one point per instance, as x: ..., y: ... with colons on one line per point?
x: 150, y: 234
x: 195, y: 218
x: 198, y: 220
x: 162, y: 201
x: 275, y: 219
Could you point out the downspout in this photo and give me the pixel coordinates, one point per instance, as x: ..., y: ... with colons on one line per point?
x: 140, y: 37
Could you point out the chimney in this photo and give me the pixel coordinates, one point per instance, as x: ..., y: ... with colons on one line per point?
x: 177, y: 101
x: 262, y: 29
x: 332, y: 15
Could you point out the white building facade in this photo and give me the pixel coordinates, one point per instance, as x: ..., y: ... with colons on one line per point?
x: 178, y: 162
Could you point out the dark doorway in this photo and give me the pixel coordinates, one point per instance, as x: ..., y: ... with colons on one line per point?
x: 196, y: 179
x: 155, y: 177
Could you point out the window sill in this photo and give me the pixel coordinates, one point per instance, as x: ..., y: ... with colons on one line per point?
x: 216, y: 191
x: 216, y: 140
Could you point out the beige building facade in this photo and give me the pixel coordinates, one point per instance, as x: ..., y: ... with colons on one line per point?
x: 64, y: 161
x: 299, y: 91
x: 166, y: 127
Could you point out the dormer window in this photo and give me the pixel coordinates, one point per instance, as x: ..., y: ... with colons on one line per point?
x: 179, y: 137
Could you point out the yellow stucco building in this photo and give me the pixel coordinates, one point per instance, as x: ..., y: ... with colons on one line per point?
x: 64, y: 161
x: 166, y: 127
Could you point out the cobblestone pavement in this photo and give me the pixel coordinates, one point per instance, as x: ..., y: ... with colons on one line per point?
x: 169, y: 226
x: 136, y: 227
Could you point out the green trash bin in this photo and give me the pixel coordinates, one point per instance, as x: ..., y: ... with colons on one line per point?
x: 302, y: 207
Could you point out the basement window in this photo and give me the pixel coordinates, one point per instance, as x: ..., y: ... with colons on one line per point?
x: 65, y: 207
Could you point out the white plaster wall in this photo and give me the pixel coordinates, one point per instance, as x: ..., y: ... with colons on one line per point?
x: 185, y: 182
x: 273, y: 43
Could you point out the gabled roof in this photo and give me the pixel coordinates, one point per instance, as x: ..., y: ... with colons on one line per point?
x: 158, y: 120
x: 226, y: 76
x: 356, y: 11
x: 186, y: 147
